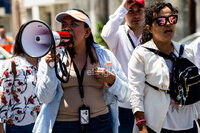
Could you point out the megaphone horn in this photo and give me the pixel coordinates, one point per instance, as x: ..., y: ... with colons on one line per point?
x: 37, y: 38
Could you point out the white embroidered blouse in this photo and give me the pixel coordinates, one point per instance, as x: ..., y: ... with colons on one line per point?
x: 18, y: 102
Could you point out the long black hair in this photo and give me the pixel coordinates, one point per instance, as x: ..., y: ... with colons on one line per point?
x: 149, y: 12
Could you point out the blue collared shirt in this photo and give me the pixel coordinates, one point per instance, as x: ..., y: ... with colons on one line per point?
x: 49, y: 90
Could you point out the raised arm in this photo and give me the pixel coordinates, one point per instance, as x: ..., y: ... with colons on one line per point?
x: 110, y: 31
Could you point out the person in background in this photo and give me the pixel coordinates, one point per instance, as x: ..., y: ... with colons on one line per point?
x: 19, y: 105
x: 85, y: 62
x: 122, y: 40
x: 195, y: 45
x: 5, y: 41
x: 196, y: 48
x: 154, y: 110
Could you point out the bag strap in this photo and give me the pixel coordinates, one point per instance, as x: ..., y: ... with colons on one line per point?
x: 13, y: 67
x: 160, y: 53
x: 156, y: 88
x: 181, y: 50
x: 171, y: 56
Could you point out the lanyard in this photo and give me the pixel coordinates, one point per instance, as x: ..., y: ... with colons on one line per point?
x: 129, y: 37
x: 80, y: 78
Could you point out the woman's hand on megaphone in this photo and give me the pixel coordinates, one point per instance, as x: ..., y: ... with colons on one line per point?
x: 50, y: 57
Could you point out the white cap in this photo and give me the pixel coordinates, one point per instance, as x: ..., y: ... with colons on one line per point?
x: 75, y: 14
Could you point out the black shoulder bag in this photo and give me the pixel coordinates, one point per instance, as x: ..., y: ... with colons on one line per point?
x: 185, y: 79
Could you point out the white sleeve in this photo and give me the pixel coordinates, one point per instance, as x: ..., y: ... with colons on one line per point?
x: 109, y: 32
x: 136, y: 81
x: 47, y: 82
x: 197, y: 53
x: 120, y: 87
x: 196, y: 48
x: 197, y: 106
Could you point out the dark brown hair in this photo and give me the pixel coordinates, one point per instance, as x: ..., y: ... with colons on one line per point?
x: 149, y: 11
x: 17, y: 46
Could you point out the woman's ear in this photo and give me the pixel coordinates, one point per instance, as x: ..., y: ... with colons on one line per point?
x: 148, y: 27
x: 87, y: 32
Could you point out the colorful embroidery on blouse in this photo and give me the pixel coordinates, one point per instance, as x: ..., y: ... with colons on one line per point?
x: 19, y: 104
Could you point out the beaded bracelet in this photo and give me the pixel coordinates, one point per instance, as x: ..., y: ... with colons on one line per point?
x: 143, y: 120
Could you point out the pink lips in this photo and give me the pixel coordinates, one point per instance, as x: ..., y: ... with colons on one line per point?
x: 168, y: 31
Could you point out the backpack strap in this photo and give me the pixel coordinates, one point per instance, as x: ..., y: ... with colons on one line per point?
x: 171, y: 57
x: 161, y: 53
x: 181, y: 50
x: 156, y: 88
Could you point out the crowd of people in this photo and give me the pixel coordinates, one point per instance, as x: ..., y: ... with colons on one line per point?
x: 83, y: 95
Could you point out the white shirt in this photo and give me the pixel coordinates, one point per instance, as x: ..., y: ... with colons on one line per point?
x: 178, y: 117
x: 115, y: 35
x: 146, y: 66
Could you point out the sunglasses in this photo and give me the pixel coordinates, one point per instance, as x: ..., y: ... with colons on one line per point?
x: 161, y: 21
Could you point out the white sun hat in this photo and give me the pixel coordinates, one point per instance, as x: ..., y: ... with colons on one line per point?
x: 75, y: 14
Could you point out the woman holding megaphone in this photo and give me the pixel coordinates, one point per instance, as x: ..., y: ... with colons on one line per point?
x: 19, y: 105
x: 81, y: 103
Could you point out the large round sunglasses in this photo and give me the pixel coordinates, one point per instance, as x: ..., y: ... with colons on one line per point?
x: 161, y: 21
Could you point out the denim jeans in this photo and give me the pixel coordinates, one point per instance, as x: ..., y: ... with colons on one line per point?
x: 192, y: 130
x: 19, y: 129
x: 99, y: 124
x: 126, y: 119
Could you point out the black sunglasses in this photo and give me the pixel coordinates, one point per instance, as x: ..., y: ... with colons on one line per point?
x: 161, y: 21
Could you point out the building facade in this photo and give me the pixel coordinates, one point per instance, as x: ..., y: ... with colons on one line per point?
x: 98, y: 10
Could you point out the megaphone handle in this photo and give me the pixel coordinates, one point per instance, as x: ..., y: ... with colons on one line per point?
x: 58, y: 51
x: 51, y: 64
x: 65, y: 77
